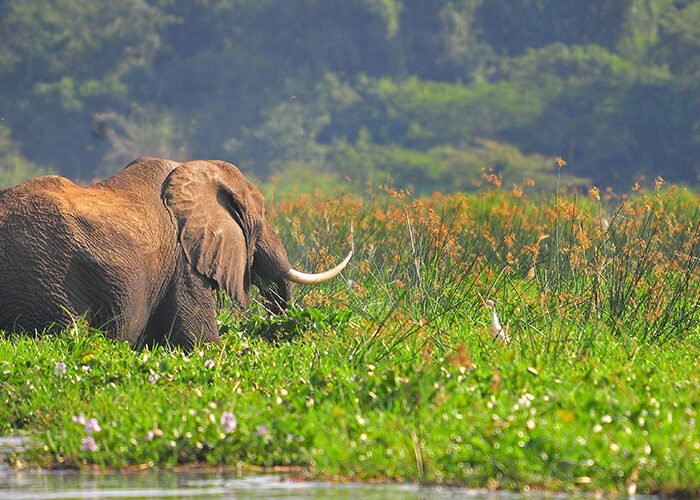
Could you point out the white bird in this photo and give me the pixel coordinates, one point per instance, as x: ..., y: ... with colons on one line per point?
x: 498, y: 332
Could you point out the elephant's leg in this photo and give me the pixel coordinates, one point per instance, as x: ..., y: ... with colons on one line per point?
x: 34, y: 319
x: 186, y: 313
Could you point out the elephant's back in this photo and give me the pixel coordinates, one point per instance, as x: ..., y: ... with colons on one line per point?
x: 35, y: 196
x: 56, y: 208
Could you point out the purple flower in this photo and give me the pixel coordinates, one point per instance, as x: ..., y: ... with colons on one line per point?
x: 152, y: 379
x: 228, y: 421
x: 262, y: 430
x: 60, y: 369
x: 92, y: 426
x: 79, y: 419
x: 89, y: 443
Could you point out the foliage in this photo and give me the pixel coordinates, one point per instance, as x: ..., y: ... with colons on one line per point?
x: 141, y: 133
x: 611, y: 85
x: 63, y: 60
x: 443, y: 168
x: 515, y: 26
x: 14, y: 168
x: 391, y: 373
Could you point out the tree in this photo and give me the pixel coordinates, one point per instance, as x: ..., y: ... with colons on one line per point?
x: 63, y: 60
x: 513, y: 26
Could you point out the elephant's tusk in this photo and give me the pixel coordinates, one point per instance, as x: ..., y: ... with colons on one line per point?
x: 314, y: 279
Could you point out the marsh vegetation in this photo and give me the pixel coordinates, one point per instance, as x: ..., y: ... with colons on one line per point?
x: 392, y: 372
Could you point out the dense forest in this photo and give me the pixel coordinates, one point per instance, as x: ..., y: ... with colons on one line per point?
x: 424, y: 93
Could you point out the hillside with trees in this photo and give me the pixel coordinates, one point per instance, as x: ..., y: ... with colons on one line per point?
x: 422, y: 94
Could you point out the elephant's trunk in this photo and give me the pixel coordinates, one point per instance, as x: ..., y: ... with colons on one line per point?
x: 315, y: 278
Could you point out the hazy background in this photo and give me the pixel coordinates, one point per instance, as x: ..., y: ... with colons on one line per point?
x: 424, y: 92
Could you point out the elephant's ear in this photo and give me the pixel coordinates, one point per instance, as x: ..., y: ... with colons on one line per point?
x: 208, y: 204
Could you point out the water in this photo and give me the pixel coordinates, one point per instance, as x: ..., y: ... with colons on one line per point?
x: 32, y: 484
x: 55, y: 485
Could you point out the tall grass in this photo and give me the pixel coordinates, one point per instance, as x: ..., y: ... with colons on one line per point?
x: 631, y: 263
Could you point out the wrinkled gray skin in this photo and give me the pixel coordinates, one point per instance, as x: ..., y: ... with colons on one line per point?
x: 138, y: 253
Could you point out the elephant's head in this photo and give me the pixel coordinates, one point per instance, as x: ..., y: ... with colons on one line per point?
x: 222, y: 229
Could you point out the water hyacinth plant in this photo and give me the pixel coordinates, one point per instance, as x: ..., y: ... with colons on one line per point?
x: 393, y: 372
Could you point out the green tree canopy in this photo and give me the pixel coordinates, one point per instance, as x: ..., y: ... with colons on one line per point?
x: 358, y: 88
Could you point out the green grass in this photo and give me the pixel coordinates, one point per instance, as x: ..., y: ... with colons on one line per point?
x: 394, y: 375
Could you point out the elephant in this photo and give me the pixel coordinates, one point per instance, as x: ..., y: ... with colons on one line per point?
x: 140, y: 254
